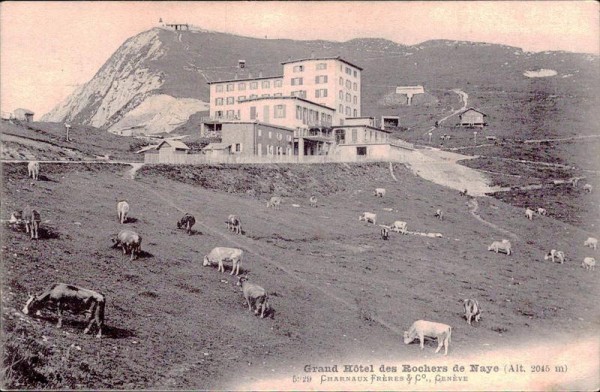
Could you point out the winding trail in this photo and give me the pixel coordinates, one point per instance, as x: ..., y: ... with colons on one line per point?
x: 464, y: 97
x: 474, y: 207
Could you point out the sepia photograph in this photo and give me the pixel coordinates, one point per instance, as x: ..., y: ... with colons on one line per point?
x: 300, y: 195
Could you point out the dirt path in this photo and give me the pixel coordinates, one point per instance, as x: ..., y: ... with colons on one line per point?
x: 134, y: 168
x: 464, y: 97
x: 474, y: 207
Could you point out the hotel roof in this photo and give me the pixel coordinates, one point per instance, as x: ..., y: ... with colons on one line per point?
x: 323, y: 58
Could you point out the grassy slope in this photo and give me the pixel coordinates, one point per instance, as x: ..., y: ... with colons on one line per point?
x: 87, y: 140
x: 329, y: 275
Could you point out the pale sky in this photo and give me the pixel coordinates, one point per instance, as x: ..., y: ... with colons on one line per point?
x: 48, y: 48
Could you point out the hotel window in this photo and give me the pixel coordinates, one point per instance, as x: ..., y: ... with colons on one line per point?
x: 289, y: 138
x: 355, y: 113
x: 241, y: 98
x: 219, y: 88
x: 321, y: 79
x: 253, y: 85
x: 348, y: 84
x: 322, y: 93
x: 299, y: 93
x: 230, y: 100
x: 270, y: 134
x: 348, y: 71
x: 219, y: 101
x: 266, y: 84
x: 354, y: 135
x: 341, y: 109
x: 297, y: 81
x: 238, y: 147
x: 341, y: 81
x: 321, y: 66
x: 260, y: 132
x: 278, y: 83
x: 348, y: 97
x: 230, y: 114
x: 279, y: 111
x: 348, y: 111
x: 341, y: 67
x: 355, y: 100
x: 341, y: 94
x: 230, y: 87
x: 298, y: 68
x: 298, y: 112
x: 253, y: 96
x: 355, y: 86
x: 278, y: 95
x: 361, y: 150
x: 219, y: 113
x: 241, y: 86
x: 355, y: 74
x: 252, y: 112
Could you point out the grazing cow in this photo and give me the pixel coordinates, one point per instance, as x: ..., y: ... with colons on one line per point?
x: 379, y: 192
x: 122, y: 211
x: 588, y: 188
x: 542, y: 211
x: 33, y: 170
x: 186, y: 223
x: 76, y: 299
x: 274, y: 202
x: 422, y: 328
x: 220, y: 255
x: 234, y: 223
x: 128, y: 241
x: 313, y: 201
x: 472, y: 309
x: 591, y: 242
x: 439, y: 214
x: 31, y: 217
x: 529, y: 213
x: 399, y: 227
x: 560, y: 255
x: 368, y: 217
x: 501, y: 246
x: 385, y: 233
x: 254, y: 295
x: 589, y: 263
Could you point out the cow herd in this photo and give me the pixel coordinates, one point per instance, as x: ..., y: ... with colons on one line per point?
x: 92, y: 303
x: 472, y: 311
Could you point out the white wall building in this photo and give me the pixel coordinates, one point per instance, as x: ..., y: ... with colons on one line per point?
x: 330, y: 82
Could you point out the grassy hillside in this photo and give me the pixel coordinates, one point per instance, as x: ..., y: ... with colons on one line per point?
x: 338, y: 291
x: 47, y: 141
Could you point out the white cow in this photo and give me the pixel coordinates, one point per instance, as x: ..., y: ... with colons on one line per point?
x: 274, y: 202
x: 422, y: 328
x: 439, y: 214
x: 33, y: 170
x: 591, y: 242
x: 589, y: 263
x: 529, y: 213
x: 128, y: 241
x: 472, y: 309
x: 220, y: 254
x: 399, y: 227
x: 588, y: 188
x: 560, y: 255
x: 313, y: 201
x: 380, y: 192
x: 504, y: 246
x: 368, y: 217
x: 122, y: 211
x: 542, y: 211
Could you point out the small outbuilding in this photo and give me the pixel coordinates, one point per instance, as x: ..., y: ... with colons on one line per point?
x: 472, y: 118
x: 24, y: 115
x: 214, y: 149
